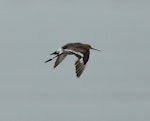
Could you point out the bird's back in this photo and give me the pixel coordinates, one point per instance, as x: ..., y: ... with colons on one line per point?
x: 78, y: 47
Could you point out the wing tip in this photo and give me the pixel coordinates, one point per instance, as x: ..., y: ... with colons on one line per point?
x: 79, y: 66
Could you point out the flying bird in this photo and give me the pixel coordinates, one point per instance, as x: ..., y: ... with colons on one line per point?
x: 80, y: 50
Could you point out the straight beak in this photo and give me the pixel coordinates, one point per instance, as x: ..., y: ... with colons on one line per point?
x: 95, y: 49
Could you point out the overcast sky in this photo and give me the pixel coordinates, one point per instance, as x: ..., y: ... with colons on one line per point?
x: 115, y: 85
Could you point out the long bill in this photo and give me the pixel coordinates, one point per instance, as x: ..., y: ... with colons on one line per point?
x: 95, y: 49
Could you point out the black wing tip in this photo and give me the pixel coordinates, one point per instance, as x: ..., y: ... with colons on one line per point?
x: 78, y: 76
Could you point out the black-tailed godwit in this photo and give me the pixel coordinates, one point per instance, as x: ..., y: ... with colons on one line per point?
x: 80, y: 50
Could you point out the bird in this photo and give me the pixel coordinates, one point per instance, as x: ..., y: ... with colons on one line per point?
x: 80, y: 50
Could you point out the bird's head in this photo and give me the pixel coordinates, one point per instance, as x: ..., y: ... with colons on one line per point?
x: 90, y: 47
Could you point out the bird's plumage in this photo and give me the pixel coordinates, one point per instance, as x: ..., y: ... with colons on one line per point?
x: 59, y: 59
x: 80, y: 66
x: 80, y: 50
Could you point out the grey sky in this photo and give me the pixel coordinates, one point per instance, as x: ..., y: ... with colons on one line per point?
x: 115, y: 83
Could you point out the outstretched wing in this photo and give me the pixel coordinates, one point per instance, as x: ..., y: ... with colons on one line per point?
x: 80, y: 66
x: 83, y: 58
x: 80, y: 53
x: 59, y: 59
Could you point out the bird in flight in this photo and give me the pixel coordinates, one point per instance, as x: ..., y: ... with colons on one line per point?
x: 80, y: 50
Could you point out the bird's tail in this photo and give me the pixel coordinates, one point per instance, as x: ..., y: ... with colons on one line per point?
x: 54, y: 53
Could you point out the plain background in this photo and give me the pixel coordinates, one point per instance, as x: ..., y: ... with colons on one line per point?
x: 115, y: 85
